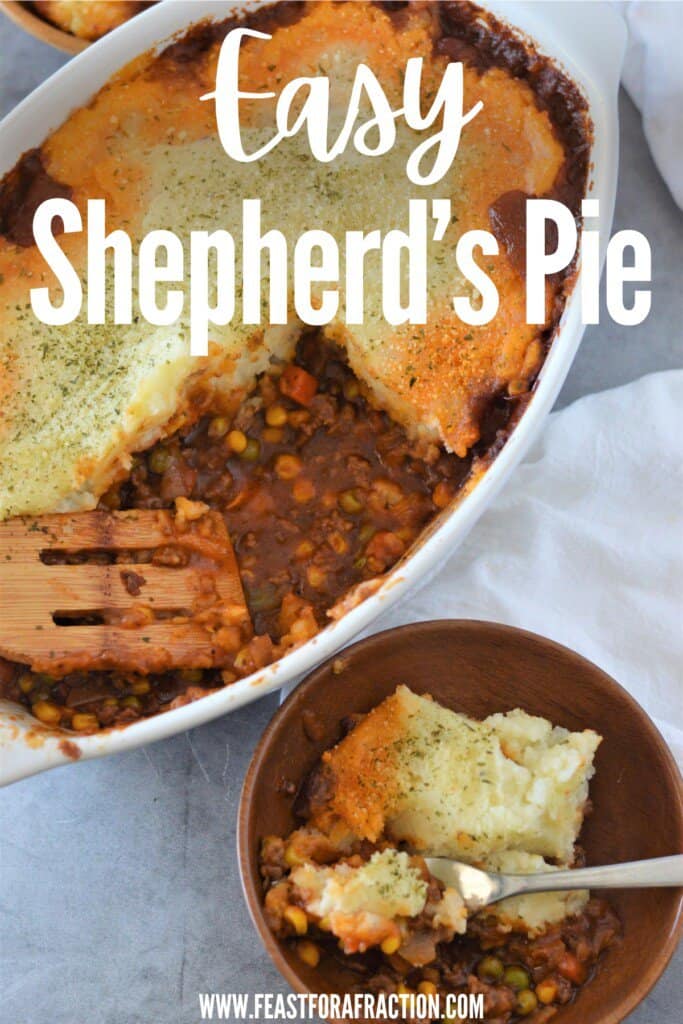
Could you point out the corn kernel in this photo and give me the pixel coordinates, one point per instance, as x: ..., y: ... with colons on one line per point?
x: 131, y: 702
x: 140, y: 686
x: 84, y: 720
x: 390, y: 945
x: 338, y: 543
x: 218, y: 426
x: 546, y: 992
x: 442, y: 495
x: 237, y: 441
x: 272, y: 435
x: 229, y: 638
x: 27, y: 682
x: 427, y: 988
x: 288, y: 466
x: 298, y: 417
x: 387, y: 492
x: 316, y: 577
x: 292, y: 858
x: 303, y: 490
x: 309, y: 953
x: 296, y: 917
x: 305, y: 549
x: 47, y: 712
x: 276, y: 416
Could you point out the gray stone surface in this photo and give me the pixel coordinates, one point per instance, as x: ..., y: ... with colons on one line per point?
x: 119, y: 891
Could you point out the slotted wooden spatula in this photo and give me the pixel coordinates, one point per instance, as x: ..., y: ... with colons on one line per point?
x: 181, y: 607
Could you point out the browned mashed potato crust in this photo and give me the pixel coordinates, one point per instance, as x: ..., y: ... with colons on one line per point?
x: 358, y: 486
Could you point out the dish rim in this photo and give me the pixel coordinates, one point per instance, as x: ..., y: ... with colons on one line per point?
x: 30, y: 749
x: 254, y: 899
x: 41, y: 29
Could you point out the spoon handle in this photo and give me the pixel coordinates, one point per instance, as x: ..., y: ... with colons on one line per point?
x: 641, y: 874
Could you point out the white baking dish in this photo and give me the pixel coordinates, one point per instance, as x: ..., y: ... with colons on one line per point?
x: 588, y: 39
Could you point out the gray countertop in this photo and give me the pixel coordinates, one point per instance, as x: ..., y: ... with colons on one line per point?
x: 119, y: 890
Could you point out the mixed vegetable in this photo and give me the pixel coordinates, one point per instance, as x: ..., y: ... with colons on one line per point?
x: 319, y: 491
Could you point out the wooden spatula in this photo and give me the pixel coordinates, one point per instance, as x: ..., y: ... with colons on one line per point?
x: 181, y: 607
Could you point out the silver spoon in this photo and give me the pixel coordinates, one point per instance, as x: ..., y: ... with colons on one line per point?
x: 479, y: 888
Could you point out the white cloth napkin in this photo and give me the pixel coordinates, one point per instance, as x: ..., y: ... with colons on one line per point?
x: 585, y: 545
x: 653, y: 75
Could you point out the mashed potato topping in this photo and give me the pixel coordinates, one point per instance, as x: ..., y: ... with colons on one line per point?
x: 386, y: 886
x: 507, y: 793
x: 532, y: 913
x: 79, y: 400
x: 365, y: 905
x: 451, y: 786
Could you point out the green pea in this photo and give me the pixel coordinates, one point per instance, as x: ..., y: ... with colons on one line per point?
x: 526, y: 1002
x: 350, y: 502
x: 191, y: 676
x: 47, y: 680
x: 366, y: 533
x: 159, y: 460
x: 490, y: 968
x: 264, y: 599
x: 218, y: 426
x: 516, y: 977
x: 252, y: 450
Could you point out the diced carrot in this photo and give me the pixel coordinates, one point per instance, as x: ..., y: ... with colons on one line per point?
x: 298, y: 385
x: 572, y: 969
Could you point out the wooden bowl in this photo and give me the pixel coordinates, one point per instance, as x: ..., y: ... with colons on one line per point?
x: 480, y: 668
x: 25, y: 17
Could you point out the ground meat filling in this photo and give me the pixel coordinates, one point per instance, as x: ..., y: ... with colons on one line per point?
x: 319, y: 492
x: 520, y: 978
